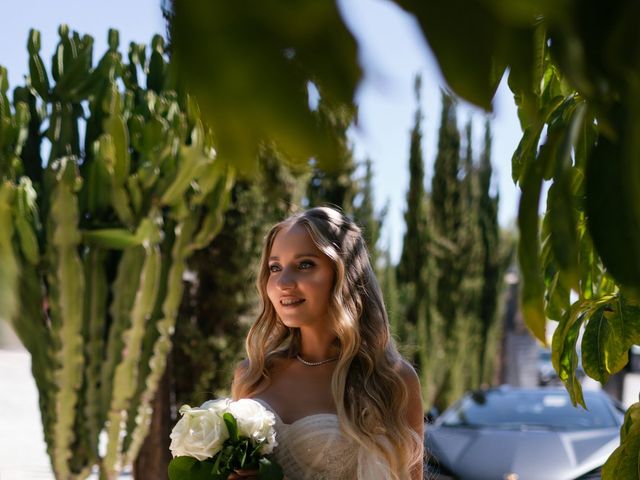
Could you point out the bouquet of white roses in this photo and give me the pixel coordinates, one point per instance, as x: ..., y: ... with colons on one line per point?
x: 221, y: 436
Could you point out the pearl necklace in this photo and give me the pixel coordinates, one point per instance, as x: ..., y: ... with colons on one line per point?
x: 315, y: 364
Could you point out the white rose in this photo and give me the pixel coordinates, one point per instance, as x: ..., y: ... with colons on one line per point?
x: 256, y: 422
x: 200, y: 433
x: 219, y: 406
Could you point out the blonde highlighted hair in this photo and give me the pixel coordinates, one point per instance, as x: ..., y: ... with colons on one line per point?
x: 370, y: 395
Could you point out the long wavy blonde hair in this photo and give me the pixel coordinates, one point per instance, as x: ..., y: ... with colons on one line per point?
x: 370, y: 395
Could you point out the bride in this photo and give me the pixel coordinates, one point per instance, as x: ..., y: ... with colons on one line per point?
x: 320, y: 357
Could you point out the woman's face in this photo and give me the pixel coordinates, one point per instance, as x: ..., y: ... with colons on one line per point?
x: 300, y: 280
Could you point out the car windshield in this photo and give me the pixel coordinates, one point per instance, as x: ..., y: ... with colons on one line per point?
x: 522, y: 409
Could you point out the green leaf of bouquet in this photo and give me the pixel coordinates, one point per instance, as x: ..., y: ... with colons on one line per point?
x: 241, y: 452
x: 232, y: 426
x: 270, y: 470
x: 201, y: 471
x: 180, y: 467
x: 218, y: 471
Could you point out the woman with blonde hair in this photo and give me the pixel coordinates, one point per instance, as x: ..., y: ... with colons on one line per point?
x: 320, y: 357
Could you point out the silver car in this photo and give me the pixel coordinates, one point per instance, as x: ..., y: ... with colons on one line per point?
x: 523, y: 434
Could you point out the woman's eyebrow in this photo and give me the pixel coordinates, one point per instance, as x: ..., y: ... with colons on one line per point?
x: 299, y: 255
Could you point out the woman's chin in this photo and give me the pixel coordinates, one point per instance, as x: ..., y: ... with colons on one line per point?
x: 291, y: 322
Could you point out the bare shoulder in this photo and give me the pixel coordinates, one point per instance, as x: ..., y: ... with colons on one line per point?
x: 408, y: 375
x: 276, y: 363
x: 415, y: 413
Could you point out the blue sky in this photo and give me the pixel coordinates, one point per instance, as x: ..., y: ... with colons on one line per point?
x: 392, y: 52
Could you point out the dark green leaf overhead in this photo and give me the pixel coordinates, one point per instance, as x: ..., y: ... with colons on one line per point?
x: 250, y: 64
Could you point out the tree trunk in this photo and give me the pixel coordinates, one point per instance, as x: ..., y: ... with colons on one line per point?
x: 154, y: 457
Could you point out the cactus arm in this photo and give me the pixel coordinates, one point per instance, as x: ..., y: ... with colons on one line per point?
x: 162, y: 346
x: 208, y: 180
x: 107, y: 152
x: 30, y: 327
x: 114, y: 125
x: 9, y: 270
x: 38, y: 78
x: 192, y: 163
x: 95, y: 196
x: 135, y: 193
x: 125, y: 378
x: 94, y: 308
x: 124, y: 289
x: 70, y: 280
x: 157, y: 66
x: 217, y: 202
x: 25, y: 216
x: 114, y: 238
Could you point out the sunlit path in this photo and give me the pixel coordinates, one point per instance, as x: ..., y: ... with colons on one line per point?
x: 22, y: 449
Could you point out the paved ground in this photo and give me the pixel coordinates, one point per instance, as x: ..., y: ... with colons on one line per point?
x: 22, y: 449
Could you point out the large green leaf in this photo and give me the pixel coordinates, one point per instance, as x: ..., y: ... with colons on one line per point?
x: 603, y: 352
x: 250, y: 65
x: 624, y: 463
x: 624, y: 318
x: 611, y: 183
x: 563, y: 350
x: 529, y: 253
x: 180, y: 467
x: 525, y: 151
x: 472, y: 68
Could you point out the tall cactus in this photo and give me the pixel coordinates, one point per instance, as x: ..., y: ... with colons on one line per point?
x: 94, y: 242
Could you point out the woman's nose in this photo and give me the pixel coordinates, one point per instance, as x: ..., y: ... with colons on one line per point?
x: 286, y: 279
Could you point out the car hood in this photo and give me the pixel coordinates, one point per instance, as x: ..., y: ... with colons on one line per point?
x: 532, y: 454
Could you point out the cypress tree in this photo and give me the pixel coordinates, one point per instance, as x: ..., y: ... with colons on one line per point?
x: 333, y: 185
x: 447, y: 223
x: 469, y: 261
x: 365, y: 215
x: 494, y: 261
x: 471, y: 257
x: 413, y: 265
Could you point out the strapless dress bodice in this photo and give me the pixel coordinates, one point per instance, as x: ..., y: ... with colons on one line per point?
x: 314, y: 448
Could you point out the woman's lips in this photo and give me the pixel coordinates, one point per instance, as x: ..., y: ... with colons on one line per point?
x: 291, y: 301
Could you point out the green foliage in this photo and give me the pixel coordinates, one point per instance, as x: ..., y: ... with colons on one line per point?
x: 220, y: 298
x: 624, y: 462
x: 94, y: 241
x: 574, y: 71
x: 365, y: 214
x: 449, y: 276
x: 414, y: 265
x: 331, y: 182
x: 251, y: 66
x: 495, y: 259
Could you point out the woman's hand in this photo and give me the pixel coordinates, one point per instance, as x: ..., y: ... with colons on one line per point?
x: 243, y: 474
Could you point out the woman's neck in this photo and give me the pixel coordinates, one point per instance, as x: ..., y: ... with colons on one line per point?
x: 317, y: 346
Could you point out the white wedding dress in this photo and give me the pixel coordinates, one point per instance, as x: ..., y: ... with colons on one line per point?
x: 313, y: 448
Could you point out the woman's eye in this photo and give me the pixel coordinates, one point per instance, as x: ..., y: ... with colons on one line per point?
x: 274, y: 268
x: 305, y: 265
